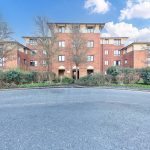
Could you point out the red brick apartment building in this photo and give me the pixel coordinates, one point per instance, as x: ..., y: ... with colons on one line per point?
x: 62, y: 65
x: 111, y: 54
x: 103, y: 53
x: 14, y: 56
x: 136, y: 55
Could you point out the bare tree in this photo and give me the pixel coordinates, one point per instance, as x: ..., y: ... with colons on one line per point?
x: 79, y: 48
x: 5, y: 47
x: 7, y: 52
x: 5, y: 32
x: 47, y: 41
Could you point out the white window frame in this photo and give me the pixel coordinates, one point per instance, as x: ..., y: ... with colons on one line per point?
x: 115, y: 63
x: 61, y: 29
x: 90, y: 29
x: 61, y: 44
x: 90, y: 44
x: 106, y: 52
x: 90, y: 58
x: 1, y: 62
x: 106, y: 62
x: 106, y: 41
x: 35, y: 63
x: 32, y: 41
x: 117, y: 42
x: 116, y: 53
x: 44, y: 52
x: 61, y: 58
x: 44, y: 62
x: 35, y: 52
x: 126, y: 61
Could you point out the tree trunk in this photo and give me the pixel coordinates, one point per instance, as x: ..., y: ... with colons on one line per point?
x: 49, y: 71
x: 76, y: 72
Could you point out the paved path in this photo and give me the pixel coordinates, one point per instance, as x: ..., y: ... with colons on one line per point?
x: 74, y: 119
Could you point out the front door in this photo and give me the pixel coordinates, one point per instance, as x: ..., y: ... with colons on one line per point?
x: 74, y: 74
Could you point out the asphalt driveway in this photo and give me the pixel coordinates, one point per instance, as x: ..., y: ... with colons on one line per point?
x: 74, y: 119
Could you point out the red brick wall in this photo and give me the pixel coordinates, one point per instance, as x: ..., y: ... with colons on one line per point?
x: 135, y: 59
x: 68, y: 64
x: 21, y: 64
x: 140, y: 59
x: 13, y: 62
x: 110, y: 57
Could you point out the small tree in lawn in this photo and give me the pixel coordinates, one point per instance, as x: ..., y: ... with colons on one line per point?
x: 78, y: 48
x: 47, y: 41
x: 5, y: 47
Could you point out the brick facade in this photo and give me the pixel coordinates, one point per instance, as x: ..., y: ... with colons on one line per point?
x: 106, y: 52
x: 136, y: 55
x: 18, y: 56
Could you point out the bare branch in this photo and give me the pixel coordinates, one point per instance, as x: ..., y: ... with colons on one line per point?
x: 79, y: 47
x: 5, y: 32
x: 47, y: 40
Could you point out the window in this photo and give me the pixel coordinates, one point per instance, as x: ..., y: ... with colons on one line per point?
x: 44, y: 52
x: 33, y: 41
x: 33, y: 52
x: 25, y: 51
x: 117, y: 63
x: 116, y: 53
x: 106, y: 63
x: 117, y: 42
x: 106, y: 41
x: 90, y: 58
x: 126, y: 61
x: 61, y: 29
x: 61, y: 43
x: 1, y: 62
x: 125, y: 51
x: 90, y: 30
x: 44, y: 62
x: 25, y: 61
x: 90, y: 44
x: 106, y: 52
x: 148, y: 60
x: 61, y: 58
x: 33, y: 63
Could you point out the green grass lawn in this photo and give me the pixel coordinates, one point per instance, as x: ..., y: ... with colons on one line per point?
x: 41, y: 84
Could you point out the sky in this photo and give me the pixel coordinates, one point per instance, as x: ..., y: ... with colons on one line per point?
x: 122, y: 17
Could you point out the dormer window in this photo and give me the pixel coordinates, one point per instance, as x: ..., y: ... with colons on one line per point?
x: 61, y: 29
x: 106, y: 41
x: 117, y: 42
x: 32, y: 41
x: 90, y: 30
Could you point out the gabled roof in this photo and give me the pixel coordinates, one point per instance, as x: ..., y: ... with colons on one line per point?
x: 15, y: 42
x: 135, y: 43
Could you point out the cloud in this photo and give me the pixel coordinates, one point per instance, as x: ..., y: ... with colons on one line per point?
x: 123, y: 29
x: 136, y: 9
x: 97, y: 6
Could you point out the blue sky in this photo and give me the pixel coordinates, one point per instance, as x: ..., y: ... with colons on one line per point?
x: 20, y: 14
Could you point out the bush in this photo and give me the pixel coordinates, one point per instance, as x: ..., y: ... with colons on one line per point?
x: 13, y: 77
x: 67, y: 80
x: 145, y: 75
x: 92, y: 80
x: 44, y: 76
x: 122, y: 75
x: 113, y: 71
